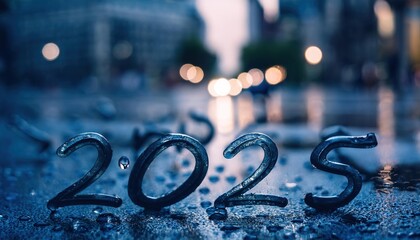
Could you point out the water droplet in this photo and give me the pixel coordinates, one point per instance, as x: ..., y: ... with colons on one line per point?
x: 192, y: 207
x: 282, y: 160
x: 160, y: 179
x: 124, y: 162
x: 213, y: 179
x: 204, y: 190
x: 216, y: 213
x: 97, y: 210
x: 229, y: 228
x: 205, y: 204
x: 32, y: 193
x: 24, y: 218
x: 290, y: 185
x: 186, y: 163
x: 220, y: 168
x: 170, y: 185
x: 298, y: 179
x: 325, y: 193
x: 231, y: 179
x: 3, y: 217
x: 249, y: 170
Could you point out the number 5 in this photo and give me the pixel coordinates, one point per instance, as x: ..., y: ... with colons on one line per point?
x: 319, y: 160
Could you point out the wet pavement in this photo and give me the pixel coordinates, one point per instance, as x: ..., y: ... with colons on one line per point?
x: 31, y: 174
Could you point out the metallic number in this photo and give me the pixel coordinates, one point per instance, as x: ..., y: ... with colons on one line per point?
x: 68, y: 196
x: 319, y: 160
x: 135, y: 191
x: 236, y: 196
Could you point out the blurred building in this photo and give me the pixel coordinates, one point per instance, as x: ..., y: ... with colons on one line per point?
x: 363, y: 42
x: 95, y: 39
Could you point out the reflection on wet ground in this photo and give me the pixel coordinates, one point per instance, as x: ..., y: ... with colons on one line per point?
x: 386, y: 207
x: 402, y: 177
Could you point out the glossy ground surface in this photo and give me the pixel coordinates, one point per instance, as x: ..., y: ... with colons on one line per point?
x: 387, y: 207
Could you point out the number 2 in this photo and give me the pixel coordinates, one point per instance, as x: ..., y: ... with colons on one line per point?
x: 236, y: 196
x: 68, y: 196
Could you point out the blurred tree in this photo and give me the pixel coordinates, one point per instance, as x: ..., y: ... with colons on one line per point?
x: 264, y: 54
x: 194, y: 52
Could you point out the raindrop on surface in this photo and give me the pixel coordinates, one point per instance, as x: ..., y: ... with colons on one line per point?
x: 290, y: 185
x: 124, y: 162
x: 220, y: 168
x: 229, y: 228
x: 186, y: 163
x: 97, y: 210
x: 216, y: 213
x: 204, y: 190
x: 213, y: 179
x: 24, y: 218
x: 160, y: 179
x: 231, y: 179
x: 205, y: 204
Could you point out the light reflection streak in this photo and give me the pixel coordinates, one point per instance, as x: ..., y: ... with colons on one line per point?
x: 274, y: 108
x: 221, y: 112
x: 245, y: 110
x: 315, y: 108
x: 386, y: 126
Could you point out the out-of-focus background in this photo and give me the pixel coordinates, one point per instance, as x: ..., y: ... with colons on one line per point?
x: 141, y: 45
x: 133, y: 68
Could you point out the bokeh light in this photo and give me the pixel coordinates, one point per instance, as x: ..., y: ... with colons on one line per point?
x: 195, y: 74
x: 122, y: 50
x: 235, y: 87
x: 219, y: 87
x: 50, y: 51
x: 385, y: 18
x: 222, y: 87
x: 211, y: 89
x: 245, y: 79
x: 313, y: 55
x: 183, y: 71
x: 257, y: 76
x: 275, y: 74
x: 191, y: 73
